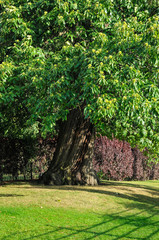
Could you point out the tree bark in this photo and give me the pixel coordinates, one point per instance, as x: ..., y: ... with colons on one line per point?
x: 72, y: 161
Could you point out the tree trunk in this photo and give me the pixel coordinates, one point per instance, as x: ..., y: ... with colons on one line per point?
x: 72, y: 161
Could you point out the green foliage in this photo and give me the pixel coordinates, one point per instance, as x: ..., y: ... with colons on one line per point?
x: 58, y: 55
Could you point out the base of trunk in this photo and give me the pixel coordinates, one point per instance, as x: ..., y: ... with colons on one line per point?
x: 66, y: 177
x: 72, y: 161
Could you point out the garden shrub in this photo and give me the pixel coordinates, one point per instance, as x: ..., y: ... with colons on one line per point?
x: 116, y: 160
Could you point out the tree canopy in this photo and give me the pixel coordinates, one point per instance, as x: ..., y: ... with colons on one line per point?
x: 60, y: 55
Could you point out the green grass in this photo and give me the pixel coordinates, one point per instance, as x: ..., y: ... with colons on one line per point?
x: 115, y: 210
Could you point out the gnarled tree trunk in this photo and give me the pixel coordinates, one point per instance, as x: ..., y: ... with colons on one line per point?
x: 72, y: 161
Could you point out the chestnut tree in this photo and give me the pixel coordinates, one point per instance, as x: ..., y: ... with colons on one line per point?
x: 77, y: 67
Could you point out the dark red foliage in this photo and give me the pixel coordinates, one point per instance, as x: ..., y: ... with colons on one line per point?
x: 114, y: 158
x: 155, y: 169
x: 142, y: 169
x: 118, y: 161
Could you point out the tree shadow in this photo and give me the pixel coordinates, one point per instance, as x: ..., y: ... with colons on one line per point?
x: 140, y: 198
x: 106, y: 183
x: 18, y: 182
x: 141, y: 225
x: 129, y: 184
x: 108, y: 227
x: 11, y: 195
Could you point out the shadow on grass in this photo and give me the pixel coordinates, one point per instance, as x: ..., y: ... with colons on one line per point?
x: 35, y: 183
x: 140, y: 198
x: 11, y: 195
x: 19, y: 182
x: 129, y: 184
x: 112, y: 227
x: 124, y: 225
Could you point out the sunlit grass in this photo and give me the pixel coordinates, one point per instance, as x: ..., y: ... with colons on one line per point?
x: 115, y: 210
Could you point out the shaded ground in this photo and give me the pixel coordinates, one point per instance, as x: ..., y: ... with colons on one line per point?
x: 114, y: 210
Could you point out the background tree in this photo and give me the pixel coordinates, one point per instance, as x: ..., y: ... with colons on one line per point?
x: 77, y: 66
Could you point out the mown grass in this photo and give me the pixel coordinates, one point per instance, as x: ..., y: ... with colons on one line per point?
x: 112, y: 211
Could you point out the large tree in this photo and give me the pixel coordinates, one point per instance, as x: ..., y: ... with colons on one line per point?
x: 77, y: 67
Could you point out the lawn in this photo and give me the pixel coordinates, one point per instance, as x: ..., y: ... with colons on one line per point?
x: 112, y: 211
